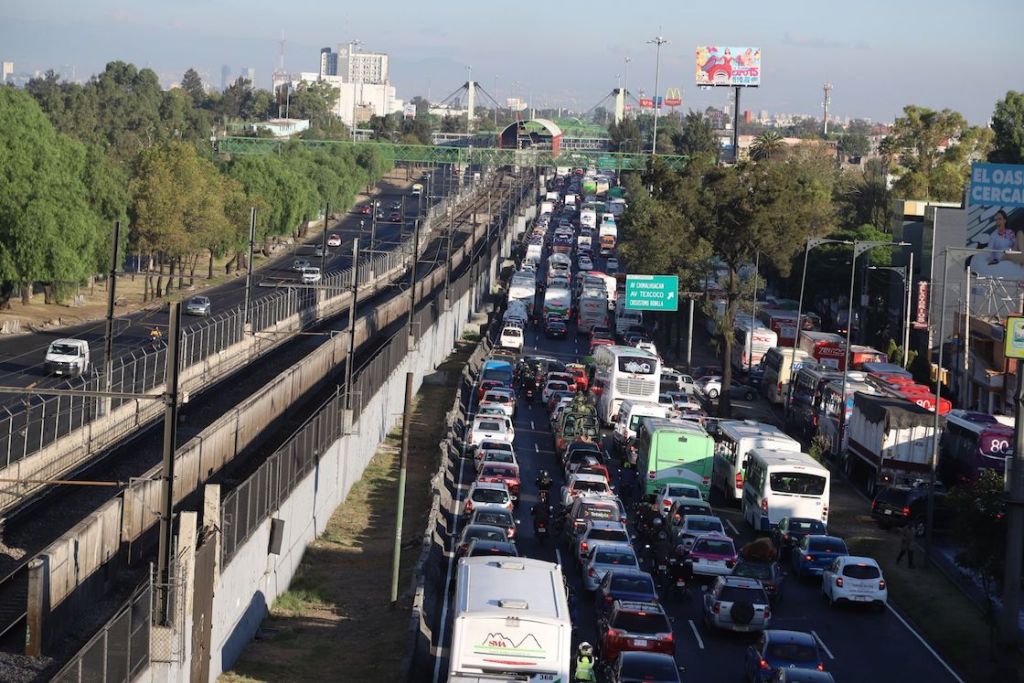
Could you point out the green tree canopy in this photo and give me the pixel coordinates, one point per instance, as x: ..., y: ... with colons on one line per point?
x: 697, y: 137
x: 1008, y: 130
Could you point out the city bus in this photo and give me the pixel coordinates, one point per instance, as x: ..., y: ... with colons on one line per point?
x: 779, y: 364
x: 734, y: 440
x: 673, y: 452
x: 779, y: 483
x: 752, y: 342
x: 972, y: 442
x: 827, y: 420
x: 622, y: 372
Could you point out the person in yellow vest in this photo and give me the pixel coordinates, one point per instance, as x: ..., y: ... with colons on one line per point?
x: 585, y: 662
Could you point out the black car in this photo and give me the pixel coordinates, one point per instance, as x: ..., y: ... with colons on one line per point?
x: 635, y: 586
x: 645, y: 667
x: 898, y: 506
x: 555, y: 329
x: 791, y: 530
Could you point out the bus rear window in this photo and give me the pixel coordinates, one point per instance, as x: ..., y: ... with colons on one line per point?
x: 637, y: 365
x: 800, y: 483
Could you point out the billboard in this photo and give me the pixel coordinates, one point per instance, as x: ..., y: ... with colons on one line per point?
x: 730, y: 66
x: 673, y: 97
x: 995, y: 220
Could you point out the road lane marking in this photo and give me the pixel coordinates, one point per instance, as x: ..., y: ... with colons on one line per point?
x: 536, y: 448
x: 532, y: 426
x: 558, y: 556
x: 823, y: 645
x: 924, y: 642
x: 735, y: 531
x: 693, y: 627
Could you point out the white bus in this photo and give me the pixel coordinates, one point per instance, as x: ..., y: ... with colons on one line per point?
x: 779, y: 365
x: 622, y: 372
x: 511, y: 621
x: 591, y: 310
x: 734, y: 441
x: 779, y: 483
x: 752, y: 342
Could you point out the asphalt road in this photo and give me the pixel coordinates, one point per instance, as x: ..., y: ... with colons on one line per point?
x: 860, y: 645
x: 21, y: 357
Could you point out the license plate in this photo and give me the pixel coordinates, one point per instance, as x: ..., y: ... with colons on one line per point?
x: 741, y: 627
x: 639, y: 643
x: 680, y: 583
x: 861, y: 598
x: 888, y: 512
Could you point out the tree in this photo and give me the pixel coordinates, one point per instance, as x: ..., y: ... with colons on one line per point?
x: 1008, y: 130
x: 864, y: 196
x: 854, y: 145
x: 192, y: 84
x: 697, y: 137
x: 625, y: 136
x: 767, y: 145
x: 935, y: 151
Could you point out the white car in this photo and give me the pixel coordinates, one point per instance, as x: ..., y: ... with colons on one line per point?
x: 488, y: 456
x: 584, y: 484
x: 736, y: 604
x: 493, y: 447
x: 334, y: 240
x: 299, y: 264
x: 854, y: 579
x: 605, y: 558
x: 490, y: 428
x: 487, y: 496
x: 503, y: 399
x: 670, y: 493
x: 511, y: 337
x: 710, y: 386
x: 584, y: 263
x: 552, y: 386
x: 611, y: 265
x: 310, y: 276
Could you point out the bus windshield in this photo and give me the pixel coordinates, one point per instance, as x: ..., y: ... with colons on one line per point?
x: 801, y: 483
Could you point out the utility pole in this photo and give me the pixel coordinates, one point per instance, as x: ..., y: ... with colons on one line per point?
x: 448, y: 256
x: 108, y: 341
x: 351, y: 359
x: 1008, y: 619
x: 736, y: 126
x: 396, y: 555
x: 658, y: 41
x: 323, y: 243
x: 413, y: 267
x: 248, y: 267
x: 172, y: 373
x: 827, y: 101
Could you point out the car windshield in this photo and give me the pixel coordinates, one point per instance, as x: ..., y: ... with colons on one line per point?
x: 675, y: 491
x: 827, y: 545
x: 498, y: 374
x: 861, y: 571
x: 753, y: 570
x: 497, y: 472
x: 791, y: 652
x: 806, y: 526
x: 641, y: 622
x: 590, y: 486
x: 691, y: 510
x: 714, y: 546
x: 64, y: 349
x: 797, y: 482
x: 489, y: 426
x: 632, y: 583
x: 485, y: 533
x: 493, y: 518
x: 614, y: 557
x: 703, y: 525
x: 608, y: 535
x: 490, y: 496
x: 737, y: 594
x: 498, y: 456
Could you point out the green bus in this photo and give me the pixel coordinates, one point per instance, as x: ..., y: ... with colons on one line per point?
x: 674, y: 452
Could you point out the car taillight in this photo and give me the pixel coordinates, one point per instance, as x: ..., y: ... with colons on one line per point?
x: 881, y: 584
x: 821, y: 666
x: 705, y: 481
x: 666, y: 636
x: 583, y: 547
x: 612, y: 633
x: 469, y: 505
x: 767, y: 613
x: 764, y: 506
x: 592, y: 572
x: 764, y: 665
x: 666, y: 504
x: 808, y: 558
x: 839, y: 582
x: 739, y: 480
x: 730, y: 563
x: 906, y: 511
x: 874, y: 505
x: 778, y: 387
x: 717, y: 608
x: 608, y: 598
x: 650, y: 475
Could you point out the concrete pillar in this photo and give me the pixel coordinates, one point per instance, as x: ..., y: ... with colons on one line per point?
x: 620, y: 105
x: 211, y: 520
x: 38, y: 604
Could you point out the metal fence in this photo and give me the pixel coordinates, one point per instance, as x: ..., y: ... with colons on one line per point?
x: 37, y: 422
x: 120, y: 651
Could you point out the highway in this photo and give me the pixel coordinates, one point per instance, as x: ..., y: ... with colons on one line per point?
x: 859, y: 645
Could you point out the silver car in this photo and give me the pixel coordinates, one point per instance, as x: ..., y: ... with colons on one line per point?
x: 605, y: 558
x: 198, y: 305
x: 736, y: 604
x: 601, y: 532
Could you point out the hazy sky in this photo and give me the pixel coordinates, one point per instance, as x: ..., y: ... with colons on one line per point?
x: 879, y: 55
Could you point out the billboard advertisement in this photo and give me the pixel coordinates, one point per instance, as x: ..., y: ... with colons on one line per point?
x: 995, y: 220
x: 730, y: 66
x: 673, y: 97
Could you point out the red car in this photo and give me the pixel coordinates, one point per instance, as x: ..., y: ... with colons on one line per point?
x: 395, y: 217
x: 634, y: 627
x: 486, y: 385
x: 365, y: 210
x: 501, y: 473
x: 600, y: 341
x: 579, y: 374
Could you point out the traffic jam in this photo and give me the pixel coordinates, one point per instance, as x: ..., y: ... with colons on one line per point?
x: 612, y: 530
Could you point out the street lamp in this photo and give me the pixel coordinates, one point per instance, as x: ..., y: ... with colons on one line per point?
x: 907, y: 272
x: 658, y: 41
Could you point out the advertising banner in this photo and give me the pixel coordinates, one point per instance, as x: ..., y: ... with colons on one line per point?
x: 729, y: 66
x: 995, y: 220
x: 673, y: 97
x: 646, y: 103
x: 921, y: 306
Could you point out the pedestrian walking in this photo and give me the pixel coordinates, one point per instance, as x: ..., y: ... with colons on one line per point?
x: 906, y: 545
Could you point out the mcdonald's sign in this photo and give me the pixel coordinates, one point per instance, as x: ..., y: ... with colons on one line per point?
x: 673, y: 97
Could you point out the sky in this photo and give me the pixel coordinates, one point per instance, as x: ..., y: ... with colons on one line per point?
x: 878, y: 55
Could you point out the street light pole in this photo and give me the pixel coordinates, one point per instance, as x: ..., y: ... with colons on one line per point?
x: 658, y: 41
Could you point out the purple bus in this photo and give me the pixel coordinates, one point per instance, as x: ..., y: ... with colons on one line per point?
x: 972, y: 442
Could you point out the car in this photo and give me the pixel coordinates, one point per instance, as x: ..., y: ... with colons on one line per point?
x: 396, y: 205
x: 712, y: 387
x: 310, y: 276
x: 673, y: 380
x: 198, y: 305
x: 600, y: 341
x: 490, y: 455
x: 490, y: 428
x: 604, y: 532
x: 555, y: 329
x: 504, y: 473
x: 802, y: 676
x: 768, y: 572
x: 634, y: 626
x: 365, y: 210
x: 856, y: 580
x: 791, y: 530
x: 604, y: 558
x: 712, y: 556
x: 566, y: 377
x: 552, y: 386
x: 644, y: 667
x: 815, y: 553
x: 318, y: 250
x: 778, y: 649
x: 670, y: 493
x: 692, y: 527
x: 504, y: 399
x: 584, y: 263
x: 577, y: 451
x: 587, y: 465
x: 299, y: 264
x: 395, y: 217
x: 482, y: 531
x: 334, y: 240
x: 579, y: 484
x: 487, y: 384
x: 499, y: 518
x: 487, y: 495
x: 600, y: 332
x: 898, y: 506
x: 683, y: 507
x: 511, y: 337
x: 486, y: 547
x: 558, y: 397
x: 624, y: 585
x: 611, y: 266
x: 734, y: 603
x: 579, y: 375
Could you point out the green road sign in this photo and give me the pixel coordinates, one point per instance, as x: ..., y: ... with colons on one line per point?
x: 652, y: 292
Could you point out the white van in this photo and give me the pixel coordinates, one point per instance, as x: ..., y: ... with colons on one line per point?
x: 779, y: 484
x: 628, y: 422
x: 511, y: 622
x: 67, y: 357
x: 309, y: 276
x: 511, y: 338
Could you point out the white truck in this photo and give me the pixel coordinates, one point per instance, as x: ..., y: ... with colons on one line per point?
x: 547, y: 206
x: 534, y: 252
x: 510, y: 622
x: 67, y: 357
x: 889, y: 440
x: 588, y: 217
x: 523, y: 287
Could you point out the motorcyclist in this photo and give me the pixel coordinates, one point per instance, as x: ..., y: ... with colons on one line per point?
x: 585, y: 662
x: 544, y: 482
x: 662, y: 547
x: 155, y: 334
x: 541, y: 516
x: 644, y: 517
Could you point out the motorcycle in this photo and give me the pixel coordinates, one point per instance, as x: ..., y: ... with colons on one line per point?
x: 680, y: 573
x: 540, y: 530
x: 529, y: 392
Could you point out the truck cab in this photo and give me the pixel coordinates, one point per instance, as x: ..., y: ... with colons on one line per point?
x: 67, y: 357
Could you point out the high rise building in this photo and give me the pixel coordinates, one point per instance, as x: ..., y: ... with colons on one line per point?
x: 328, y: 62
x: 225, y: 77
x: 249, y: 73
x: 362, y: 67
x: 7, y: 72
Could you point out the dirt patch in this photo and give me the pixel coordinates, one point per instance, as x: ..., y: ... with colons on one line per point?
x: 334, y: 622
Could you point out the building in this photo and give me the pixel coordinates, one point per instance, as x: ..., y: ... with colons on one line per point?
x: 353, y: 66
x: 225, y: 77
x: 248, y: 73
x: 7, y: 71
x: 328, y: 62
